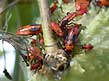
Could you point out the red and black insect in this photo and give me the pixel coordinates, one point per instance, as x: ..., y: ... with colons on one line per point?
x: 87, y: 47
x: 41, y: 40
x: 36, y: 65
x: 82, y: 4
x: 35, y: 58
x: 29, y: 30
x: 56, y: 28
x: 74, y: 33
x: 102, y: 3
x: 54, y: 6
x: 70, y: 17
x: 35, y: 52
x: 66, y: 19
x: 72, y: 37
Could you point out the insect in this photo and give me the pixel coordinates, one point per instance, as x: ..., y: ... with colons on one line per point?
x: 72, y: 37
x: 41, y: 40
x: 82, y: 5
x: 66, y: 19
x: 102, y: 3
x: 81, y: 8
x: 36, y: 60
x: 69, y: 17
x: 35, y: 52
x: 33, y: 29
x: 87, y: 47
x: 56, y: 28
x: 36, y: 66
x: 54, y: 6
x: 73, y: 33
x: 7, y: 74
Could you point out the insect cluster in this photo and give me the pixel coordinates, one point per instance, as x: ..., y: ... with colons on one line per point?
x: 66, y: 32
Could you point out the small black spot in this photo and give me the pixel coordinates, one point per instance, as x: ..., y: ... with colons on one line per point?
x: 61, y: 68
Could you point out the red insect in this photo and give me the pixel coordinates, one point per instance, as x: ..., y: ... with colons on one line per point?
x: 82, y: 5
x: 74, y: 31
x: 36, y: 66
x: 29, y: 30
x: 102, y: 3
x: 54, y: 6
x: 82, y: 12
x: 41, y: 40
x: 72, y: 37
x: 70, y: 16
x: 56, y: 28
x: 87, y: 47
x: 35, y: 53
x: 35, y: 58
x: 81, y: 8
x: 67, y: 19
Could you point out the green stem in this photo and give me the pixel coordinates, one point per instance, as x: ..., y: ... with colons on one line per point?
x: 47, y: 33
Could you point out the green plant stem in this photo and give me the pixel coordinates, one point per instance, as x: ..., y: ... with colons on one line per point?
x: 47, y: 33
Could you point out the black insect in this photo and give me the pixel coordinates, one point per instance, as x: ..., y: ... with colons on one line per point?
x: 7, y: 74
